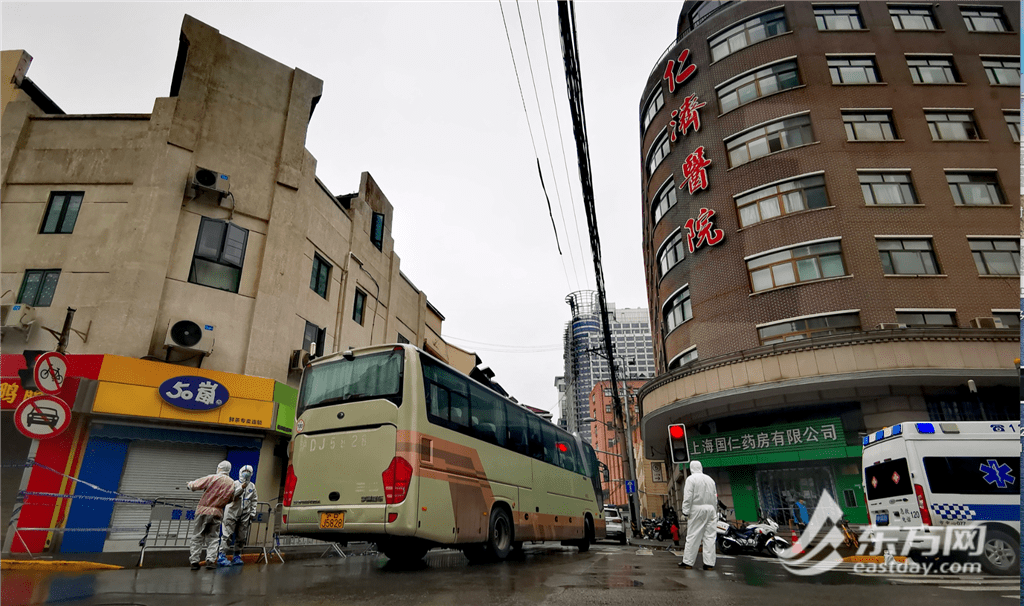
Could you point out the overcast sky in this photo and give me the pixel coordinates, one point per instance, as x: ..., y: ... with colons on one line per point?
x: 423, y: 95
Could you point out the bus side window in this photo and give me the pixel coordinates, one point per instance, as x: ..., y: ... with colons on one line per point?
x: 577, y: 458
x: 536, y: 438
x: 516, y: 419
x: 550, y: 446
x: 460, y: 409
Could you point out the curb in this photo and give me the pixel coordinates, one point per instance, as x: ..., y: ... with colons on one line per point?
x: 55, y: 565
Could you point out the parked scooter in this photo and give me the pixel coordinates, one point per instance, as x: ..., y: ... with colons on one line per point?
x: 752, y: 538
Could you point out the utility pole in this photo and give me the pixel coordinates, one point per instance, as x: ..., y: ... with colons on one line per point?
x: 574, y: 87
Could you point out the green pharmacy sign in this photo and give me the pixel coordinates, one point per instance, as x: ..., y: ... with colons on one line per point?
x: 806, y: 440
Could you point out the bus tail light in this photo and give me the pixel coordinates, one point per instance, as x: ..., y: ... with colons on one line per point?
x: 289, y: 487
x: 396, y: 478
x: 922, y: 504
x: 392, y: 517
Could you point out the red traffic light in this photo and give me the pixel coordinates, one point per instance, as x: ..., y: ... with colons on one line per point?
x: 676, y: 431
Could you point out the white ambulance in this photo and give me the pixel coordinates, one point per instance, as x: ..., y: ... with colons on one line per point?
x: 923, y: 480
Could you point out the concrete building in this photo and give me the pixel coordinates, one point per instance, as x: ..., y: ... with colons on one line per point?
x: 584, y: 359
x: 193, y: 240
x: 828, y: 235
x: 651, y: 480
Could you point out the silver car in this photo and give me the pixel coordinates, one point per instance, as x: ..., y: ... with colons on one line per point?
x: 615, y: 526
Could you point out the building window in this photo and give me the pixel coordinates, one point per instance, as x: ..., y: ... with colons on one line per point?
x: 686, y: 357
x: 984, y: 19
x: 957, y: 126
x: 664, y: 200
x: 838, y: 17
x: 913, y: 257
x: 756, y: 84
x: 704, y: 10
x: 1007, y: 318
x: 654, y: 105
x: 319, y: 280
x: 1003, y: 71
x: 884, y: 188
x: 784, y: 198
x: 377, y: 231
x: 912, y: 16
x: 933, y: 70
x: 671, y: 252
x: 975, y: 188
x: 749, y: 32
x: 62, y: 212
x: 608, y: 407
x: 801, y: 263
x: 926, y: 317
x: 996, y: 256
x: 314, y: 336
x: 869, y: 126
x: 219, y: 254
x: 853, y: 70
x: 677, y: 309
x: 38, y: 286
x: 359, y: 306
x: 659, y: 151
x: 1013, y: 123
x: 775, y: 137
x: 805, y: 328
x: 402, y: 339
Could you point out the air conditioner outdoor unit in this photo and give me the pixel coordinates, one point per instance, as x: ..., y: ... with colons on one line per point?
x: 188, y: 335
x: 205, y: 179
x: 988, y: 322
x: 298, y: 360
x: 890, y: 326
x: 18, y: 315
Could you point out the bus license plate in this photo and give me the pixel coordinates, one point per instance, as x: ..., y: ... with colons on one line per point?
x: 332, y: 520
x: 882, y: 519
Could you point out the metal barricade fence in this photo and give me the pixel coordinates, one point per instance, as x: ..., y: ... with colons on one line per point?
x: 170, y: 527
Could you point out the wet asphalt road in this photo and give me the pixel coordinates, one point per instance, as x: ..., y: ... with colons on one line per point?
x: 548, y: 574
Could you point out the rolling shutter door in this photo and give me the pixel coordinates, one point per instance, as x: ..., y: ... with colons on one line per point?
x: 160, y: 470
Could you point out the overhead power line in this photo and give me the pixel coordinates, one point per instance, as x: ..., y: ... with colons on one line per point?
x: 565, y: 161
x: 533, y: 142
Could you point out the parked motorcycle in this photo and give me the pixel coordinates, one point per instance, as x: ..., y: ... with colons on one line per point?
x: 752, y: 538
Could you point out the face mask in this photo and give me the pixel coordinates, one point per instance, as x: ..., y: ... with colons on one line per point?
x: 245, y: 476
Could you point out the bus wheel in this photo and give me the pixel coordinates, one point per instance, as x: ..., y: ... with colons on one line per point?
x: 499, y: 539
x: 1000, y: 553
x: 588, y: 536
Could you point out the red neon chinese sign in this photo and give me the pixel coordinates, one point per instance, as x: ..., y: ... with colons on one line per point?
x: 686, y: 116
x: 702, y: 230
x: 683, y: 75
x: 693, y: 170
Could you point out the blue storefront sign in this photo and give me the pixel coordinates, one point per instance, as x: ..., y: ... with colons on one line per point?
x: 194, y: 393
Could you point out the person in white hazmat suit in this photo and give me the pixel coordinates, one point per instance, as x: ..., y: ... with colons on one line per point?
x: 700, y: 501
x: 238, y: 515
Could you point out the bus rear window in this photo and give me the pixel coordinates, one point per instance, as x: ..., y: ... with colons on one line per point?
x: 363, y: 378
x: 973, y: 475
x: 888, y: 479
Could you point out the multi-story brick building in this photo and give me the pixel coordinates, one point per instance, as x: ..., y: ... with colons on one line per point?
x: 828, y: 234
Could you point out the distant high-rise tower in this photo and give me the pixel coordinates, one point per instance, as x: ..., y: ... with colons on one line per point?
x: 584, y: 357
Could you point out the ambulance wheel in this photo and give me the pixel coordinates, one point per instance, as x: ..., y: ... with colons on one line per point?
x: 1000, y: 553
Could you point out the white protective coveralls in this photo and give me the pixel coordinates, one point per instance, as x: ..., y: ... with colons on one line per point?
x: 700, y: 502
x: 238, y: 515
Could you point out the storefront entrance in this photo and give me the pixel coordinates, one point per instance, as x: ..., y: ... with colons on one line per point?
x: 779, y: 489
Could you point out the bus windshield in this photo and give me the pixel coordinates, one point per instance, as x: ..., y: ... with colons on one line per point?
x: 351, y: 380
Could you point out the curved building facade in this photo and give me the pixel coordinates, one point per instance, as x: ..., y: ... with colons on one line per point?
x: 829, y: 242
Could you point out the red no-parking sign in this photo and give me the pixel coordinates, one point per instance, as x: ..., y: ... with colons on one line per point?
x: 50, y: 371
x: 42, y: 417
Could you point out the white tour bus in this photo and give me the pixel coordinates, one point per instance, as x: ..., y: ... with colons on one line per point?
x: 921, y: 479
x: 392, y: 446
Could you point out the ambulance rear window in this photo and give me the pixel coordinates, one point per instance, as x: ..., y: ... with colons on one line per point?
x: 888, y: 479
x: 973, y: 475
